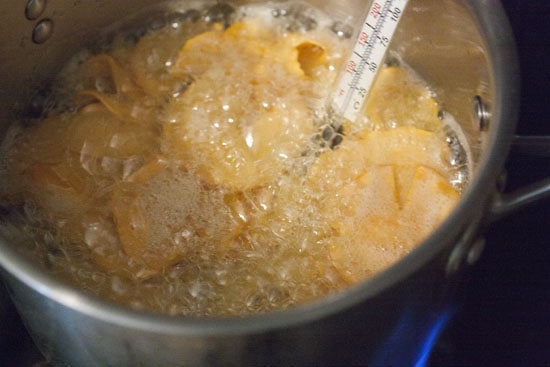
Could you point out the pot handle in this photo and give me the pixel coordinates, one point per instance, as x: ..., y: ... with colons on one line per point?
x: 507, y: 203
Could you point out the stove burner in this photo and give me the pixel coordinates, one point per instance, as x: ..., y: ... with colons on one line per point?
x: 411, y: 341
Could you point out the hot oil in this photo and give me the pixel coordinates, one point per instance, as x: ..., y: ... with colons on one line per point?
x: 193, y: 243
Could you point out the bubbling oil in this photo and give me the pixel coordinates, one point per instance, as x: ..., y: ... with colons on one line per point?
x: 189, y: 166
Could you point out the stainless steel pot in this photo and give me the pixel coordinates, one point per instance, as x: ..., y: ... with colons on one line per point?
x: 463, y: 48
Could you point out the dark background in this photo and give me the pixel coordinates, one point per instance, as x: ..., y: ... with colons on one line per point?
x: 504, y: 314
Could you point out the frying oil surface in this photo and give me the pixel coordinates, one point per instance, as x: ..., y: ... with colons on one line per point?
x: 191, y: 168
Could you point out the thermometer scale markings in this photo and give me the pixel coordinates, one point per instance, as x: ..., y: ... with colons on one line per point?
x: 368, y: 53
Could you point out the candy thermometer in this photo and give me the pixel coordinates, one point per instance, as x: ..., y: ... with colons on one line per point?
x: 367, y: 57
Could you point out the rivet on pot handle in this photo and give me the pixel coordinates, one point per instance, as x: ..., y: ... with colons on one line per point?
x: 507, y: 203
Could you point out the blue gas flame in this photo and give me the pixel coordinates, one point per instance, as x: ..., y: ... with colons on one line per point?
x: 431, y: 338
x: 411, y: 341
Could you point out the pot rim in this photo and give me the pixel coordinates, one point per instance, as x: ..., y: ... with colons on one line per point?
x: 493, y: 25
